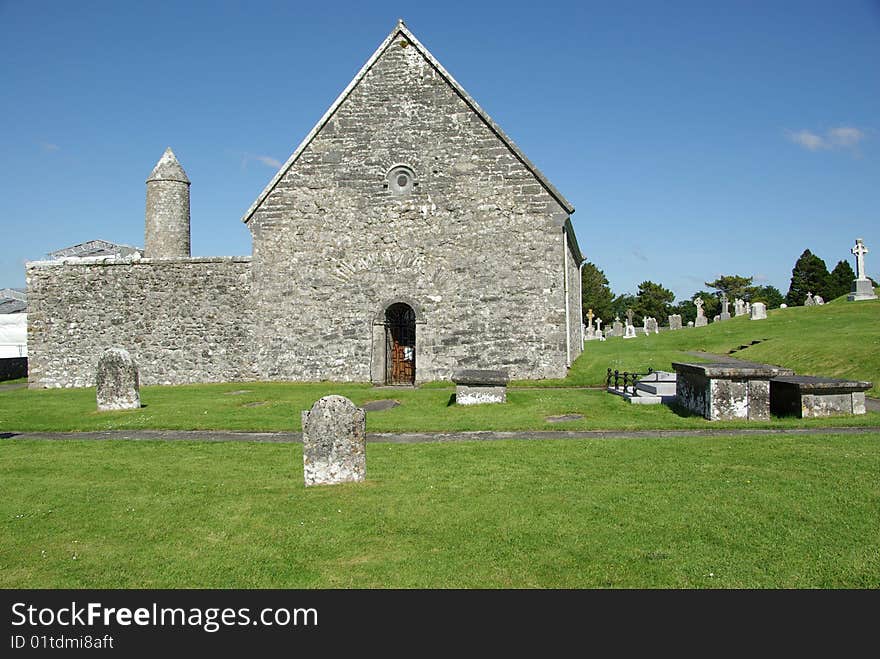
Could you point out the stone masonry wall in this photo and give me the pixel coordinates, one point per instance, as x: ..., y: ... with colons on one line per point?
x: 477, y: 247
x: 182, y: 320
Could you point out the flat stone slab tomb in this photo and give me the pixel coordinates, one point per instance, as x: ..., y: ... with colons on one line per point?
x: 810, y: 396
x: 726, y: 391
x: 475, y: 386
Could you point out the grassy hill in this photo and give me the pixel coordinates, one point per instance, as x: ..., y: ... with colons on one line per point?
x: 838, y: 339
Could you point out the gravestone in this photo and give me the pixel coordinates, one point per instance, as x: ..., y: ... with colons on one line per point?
x: 629, y: 316
x: 675, y: 322
x: 748, y: 308
x: 810, y: 301
x: 117, y: 384
x: 591, y: 332
x: 759, y: 311
x: 725, y: 308
x: 701, y: 318
x: 630, y: 332
x: 862, y: 288
x: 716, y: 318
x: 783, y: 306
x: 617, y: 327
x: 599, y: 334
x: 480, y: 386
x: 739, y: 307
x: 650, y: 325
x: 690, y: 323
x: 334, y: 442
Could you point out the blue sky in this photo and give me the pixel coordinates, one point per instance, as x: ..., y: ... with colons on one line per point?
x: 693, y: 138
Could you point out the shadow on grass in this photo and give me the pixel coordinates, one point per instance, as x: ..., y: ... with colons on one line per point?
x: 680, y: 410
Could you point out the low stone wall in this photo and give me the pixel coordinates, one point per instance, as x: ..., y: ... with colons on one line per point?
x: 183, y: 320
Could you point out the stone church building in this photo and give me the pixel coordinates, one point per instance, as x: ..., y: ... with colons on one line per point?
x: 406, y: 237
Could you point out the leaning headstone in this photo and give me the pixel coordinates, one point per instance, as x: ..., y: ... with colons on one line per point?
x: 759, y: 311
x: 117, y: 385
x: 819, y: 300
x: 810, y: 301
x: 334, y: 442
x: 701, y: 318
x: 862, y: 288
x: 716, y: 318
x: 675, y: 322
x: 725, y: 308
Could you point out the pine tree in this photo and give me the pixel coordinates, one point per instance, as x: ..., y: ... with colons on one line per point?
x: 840, y: 281
x: 809, y: 275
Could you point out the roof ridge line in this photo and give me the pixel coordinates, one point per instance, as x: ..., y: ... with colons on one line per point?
x: 401, y: 28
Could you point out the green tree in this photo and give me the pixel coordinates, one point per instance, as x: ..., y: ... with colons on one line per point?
x: 809, y: 275
x: 711, y: 304
x: 734, y: 285
x: 653, y: 300
x: 686, y: 309
x: 595, y: 293
x: 840, y: 280
x: 769, y: 295
x: 620, y: 304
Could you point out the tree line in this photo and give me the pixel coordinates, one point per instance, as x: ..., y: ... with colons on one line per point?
x: 809, y: 275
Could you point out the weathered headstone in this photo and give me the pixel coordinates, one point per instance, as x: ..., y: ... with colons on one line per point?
x: 630, y: 332
x: 862, y: 288
x: 783, y: 306
x: 690, y: 323
x: 739, y: 307
x: 809, y: 302
x: 748, y: 308
x: 117, y: 384
x: 599, y: 334
x: 590, y: 334
x: 617, y: 327
x: 759, y: 311
x: 716, y: 318
x: 675, y: 321
x: 650, y: 325
x: 629, y: 316
x: 819, y: 300
x: 725, y: 308
x: 701, y: 318
x: 334, y: 442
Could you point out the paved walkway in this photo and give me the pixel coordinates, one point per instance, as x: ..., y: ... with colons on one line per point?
x: 417, y: 437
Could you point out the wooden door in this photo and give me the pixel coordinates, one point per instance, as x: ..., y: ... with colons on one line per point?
x: 400, y: 332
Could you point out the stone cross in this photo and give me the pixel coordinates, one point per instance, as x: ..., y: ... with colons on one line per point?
x: 859, y: 251
x: 629, y: 316
x: 589, y: 318
x: 334, y: 442
x: 598, y: 324
x: 698, y: 302
x: 725, y: 308
x: 809, y: 302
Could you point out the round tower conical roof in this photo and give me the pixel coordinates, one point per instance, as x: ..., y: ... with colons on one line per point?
x: 168, y: 169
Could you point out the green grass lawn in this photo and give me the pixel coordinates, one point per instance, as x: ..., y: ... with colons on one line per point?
x: 775, y: 511
x: 838, y: 339
x: 256, y: 406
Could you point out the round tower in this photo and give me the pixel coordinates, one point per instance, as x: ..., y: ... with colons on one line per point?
x: 167, y: 219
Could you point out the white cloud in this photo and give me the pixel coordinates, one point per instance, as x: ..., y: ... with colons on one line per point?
x: 841, y: 137
x: 845, y: 136
x: 49, y: 147
x: 269, y: 161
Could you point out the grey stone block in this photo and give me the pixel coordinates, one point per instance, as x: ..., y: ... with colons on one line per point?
x: 117, y: 385
x: 334, y: 442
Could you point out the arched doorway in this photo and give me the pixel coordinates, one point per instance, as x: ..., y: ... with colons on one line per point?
x: 400, y: 344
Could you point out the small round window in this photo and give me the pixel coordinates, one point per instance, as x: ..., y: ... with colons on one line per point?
x: 401, y: 180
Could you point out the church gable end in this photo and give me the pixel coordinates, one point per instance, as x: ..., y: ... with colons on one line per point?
x: 407, y: 190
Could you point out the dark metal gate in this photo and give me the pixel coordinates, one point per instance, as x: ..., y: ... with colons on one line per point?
x: 400, y: 340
